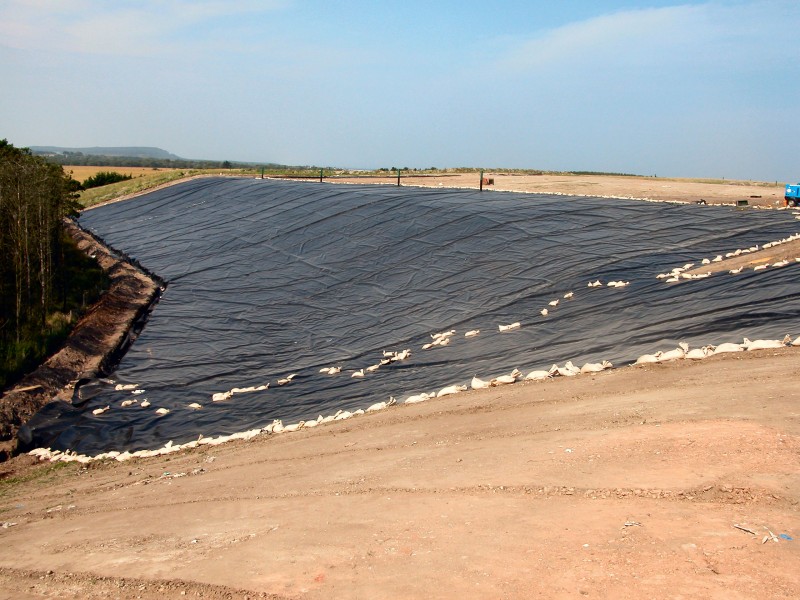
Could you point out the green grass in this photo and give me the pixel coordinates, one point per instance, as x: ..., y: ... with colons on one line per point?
x: 43, y: 474
x: 146, y: 182
x: 112, y: 191
x: 23, y: 356
x: 78, y: 284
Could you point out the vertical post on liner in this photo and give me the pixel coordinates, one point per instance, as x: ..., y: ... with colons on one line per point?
x: 398, y: 176
x: 320, y: 175
x: 481, y: 188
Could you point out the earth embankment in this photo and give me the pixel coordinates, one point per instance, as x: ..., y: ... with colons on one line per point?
x: 96, y: 342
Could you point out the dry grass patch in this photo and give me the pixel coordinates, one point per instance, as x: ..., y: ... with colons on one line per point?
x: 83, y: 172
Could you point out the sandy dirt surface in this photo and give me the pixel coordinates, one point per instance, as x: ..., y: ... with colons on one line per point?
x: 624, y: 484
x: 653, y: 188
x: 762, y: 258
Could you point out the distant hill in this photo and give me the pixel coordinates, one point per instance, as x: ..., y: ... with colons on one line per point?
x: 127, y: 151
x: 136, y: 156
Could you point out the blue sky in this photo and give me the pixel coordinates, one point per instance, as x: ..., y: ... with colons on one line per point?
x: 699, y: 89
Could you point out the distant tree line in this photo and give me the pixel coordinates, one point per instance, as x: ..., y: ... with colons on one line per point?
x: 99, y: 160
x: 43, y: 277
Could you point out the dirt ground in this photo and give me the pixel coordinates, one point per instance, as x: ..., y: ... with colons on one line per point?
x: 626, y: 484
x: 681, y: 190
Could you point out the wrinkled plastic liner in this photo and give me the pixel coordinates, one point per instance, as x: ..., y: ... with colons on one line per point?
x: 268, y: 278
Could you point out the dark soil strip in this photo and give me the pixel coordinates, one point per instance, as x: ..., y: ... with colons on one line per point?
x: 94, y: 347
x: 89, y: 585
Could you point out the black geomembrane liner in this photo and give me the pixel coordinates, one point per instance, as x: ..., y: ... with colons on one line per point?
x: 268, y: 278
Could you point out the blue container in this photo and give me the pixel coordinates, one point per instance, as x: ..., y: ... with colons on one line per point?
x: 792, y: 195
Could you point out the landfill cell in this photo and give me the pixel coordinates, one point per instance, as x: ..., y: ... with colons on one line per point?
x: 271, y: 278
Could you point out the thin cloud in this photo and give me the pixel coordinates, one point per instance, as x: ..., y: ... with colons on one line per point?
x: 118, y: 28
x: 700, y: 35
x: 598, y: 39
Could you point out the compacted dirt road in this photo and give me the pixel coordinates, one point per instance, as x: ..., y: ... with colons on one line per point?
x: 625, y: 484
x: 672, y: 480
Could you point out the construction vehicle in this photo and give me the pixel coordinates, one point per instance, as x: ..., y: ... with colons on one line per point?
x: 792, y: 195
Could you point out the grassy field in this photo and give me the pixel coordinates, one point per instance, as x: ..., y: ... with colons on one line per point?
x: 104, y: 193
x: 82, y: 173
x: 149, y: 178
